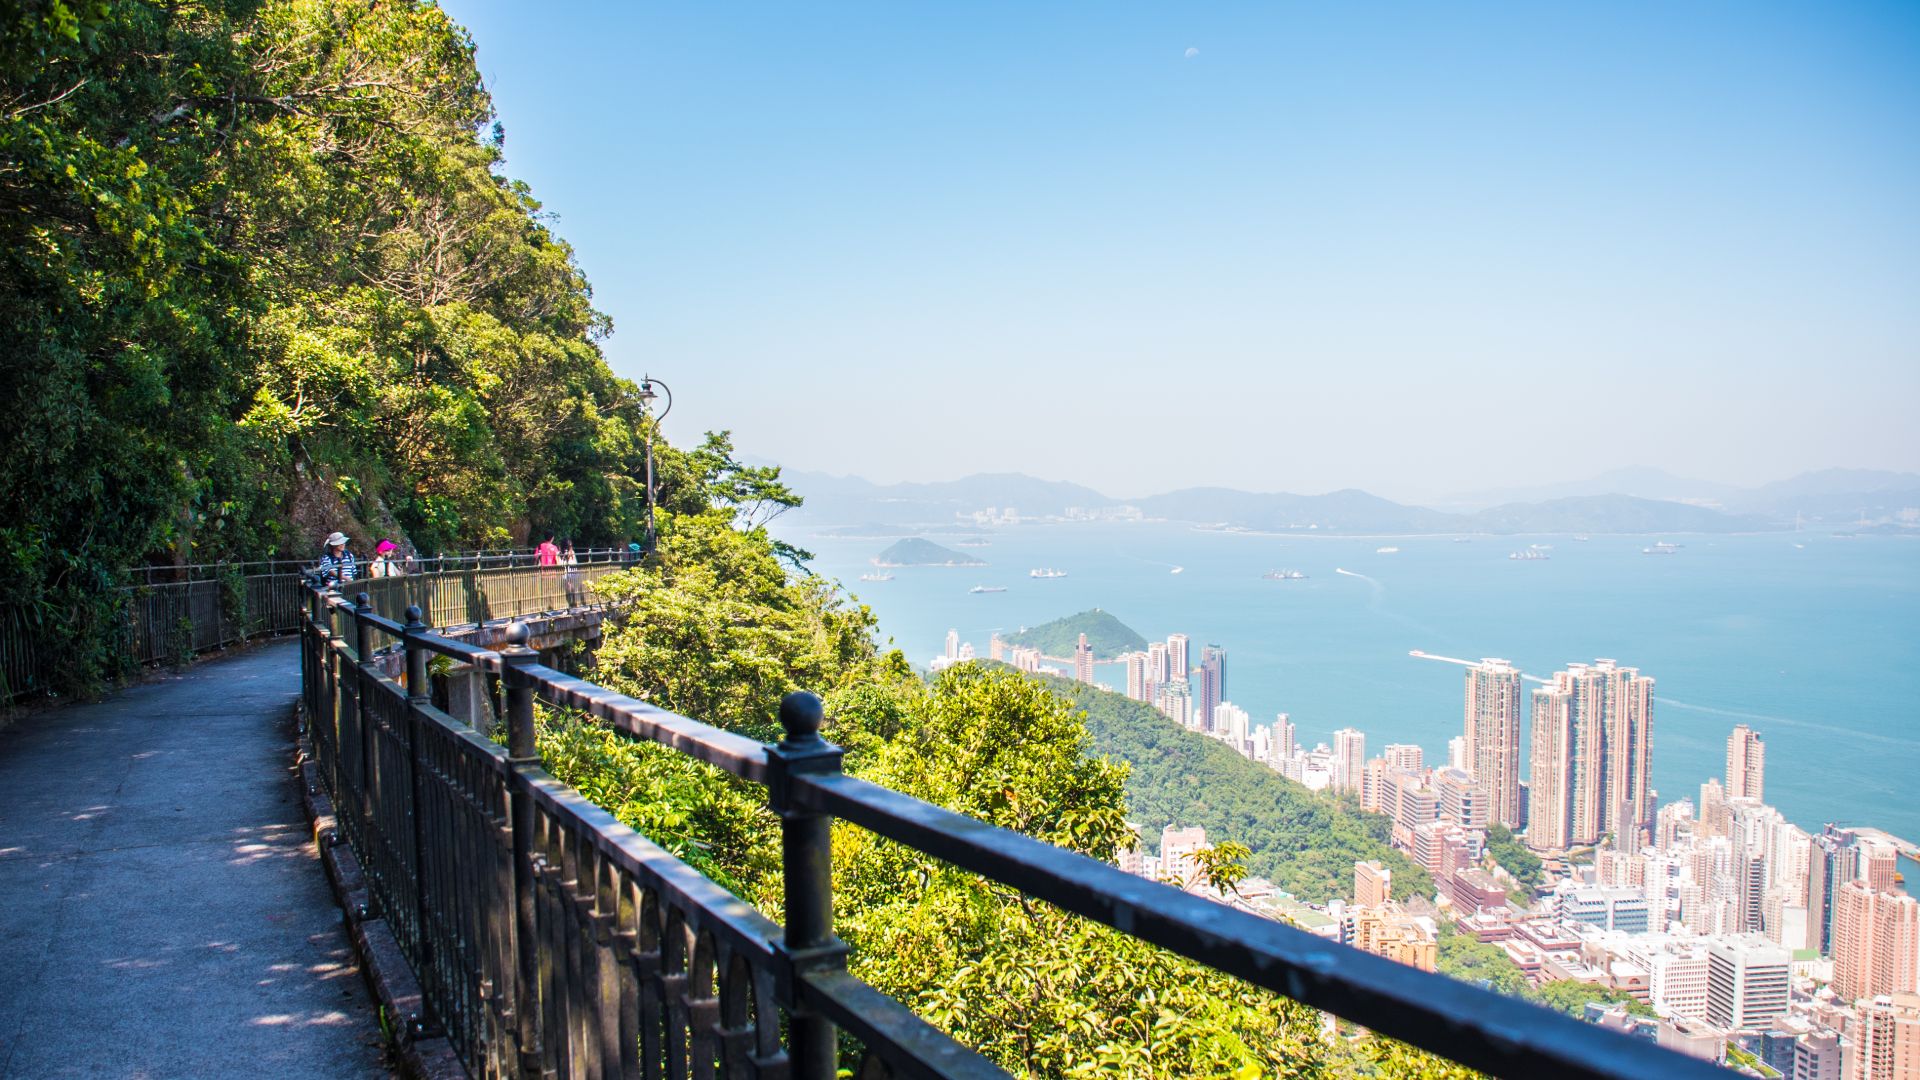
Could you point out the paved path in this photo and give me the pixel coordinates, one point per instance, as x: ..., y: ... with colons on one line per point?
x: 162, y: 910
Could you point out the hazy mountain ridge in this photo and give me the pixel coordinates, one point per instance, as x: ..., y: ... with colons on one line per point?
x: 1832, y: 498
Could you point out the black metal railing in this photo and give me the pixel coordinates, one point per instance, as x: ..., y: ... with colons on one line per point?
x: 173, y: 613
x: 552, y: 940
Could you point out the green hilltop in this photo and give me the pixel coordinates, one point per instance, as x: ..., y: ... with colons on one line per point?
x: 1108, y: 635
x: 1302, y: 841
x: 914, y: 551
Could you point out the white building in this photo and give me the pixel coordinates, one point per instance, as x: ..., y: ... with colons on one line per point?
x: 1747, y: 981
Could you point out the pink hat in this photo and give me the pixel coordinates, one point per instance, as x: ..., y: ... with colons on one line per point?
x: 385, y: 546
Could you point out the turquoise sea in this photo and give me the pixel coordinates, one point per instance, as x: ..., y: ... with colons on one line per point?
x: 1812, y: 640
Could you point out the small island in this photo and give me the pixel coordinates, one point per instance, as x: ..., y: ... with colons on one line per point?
x: 914, y: 551
x: 1109, y: 636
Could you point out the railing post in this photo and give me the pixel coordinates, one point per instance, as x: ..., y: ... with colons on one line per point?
x: 806, y: 857
x: 363, y: 717
x: 523, y: 753
x: 417, y: 698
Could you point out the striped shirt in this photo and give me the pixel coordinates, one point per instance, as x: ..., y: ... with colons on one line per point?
x: 340, y: 569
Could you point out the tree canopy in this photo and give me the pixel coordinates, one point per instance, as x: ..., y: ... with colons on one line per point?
x: 265, y: 277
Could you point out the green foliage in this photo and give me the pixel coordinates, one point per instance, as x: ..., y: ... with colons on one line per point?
x: 263, y: 277
x: 914, y: 551
x: 1108, y: 635
x: 1512, y: 856
x: 1486, y: 964
x: 1482, y: 963
x: 1302, y: 841
x: 1571, y: 996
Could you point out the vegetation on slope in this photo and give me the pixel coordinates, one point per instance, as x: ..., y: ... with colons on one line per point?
x: 264, y: 278
x: 1302, y: 841
x: 1108, y: 635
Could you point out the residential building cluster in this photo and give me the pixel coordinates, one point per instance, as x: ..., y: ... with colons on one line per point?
x: 1734, y: 925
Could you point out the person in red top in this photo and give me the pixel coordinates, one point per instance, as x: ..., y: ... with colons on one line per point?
x: 548, y: 553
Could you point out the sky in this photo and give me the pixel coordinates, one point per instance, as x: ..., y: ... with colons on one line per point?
x: 1417, y: 249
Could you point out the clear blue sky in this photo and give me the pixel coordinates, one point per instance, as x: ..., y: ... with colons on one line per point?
x: 1417, y: 249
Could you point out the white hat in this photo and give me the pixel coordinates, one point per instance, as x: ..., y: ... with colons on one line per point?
x: 336, y: 539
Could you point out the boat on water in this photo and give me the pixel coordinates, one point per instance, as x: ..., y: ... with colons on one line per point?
x: 1386, y: 551
x: 1541, y: 547
x: 876, y: 577
x: 1284, y: 575
x: 1583, y: 539
x: 973, y: 541
x: 1660, y: 548
x: 1176, y: 569
x: 987, y: 588
x: 1463, y: 539
x: 1529, y: 555
x: 1046, y: 572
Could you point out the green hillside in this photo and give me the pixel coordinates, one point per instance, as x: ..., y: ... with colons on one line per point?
x: 914, y: 551
x: 1109, y: 636
x: 1302, y: 841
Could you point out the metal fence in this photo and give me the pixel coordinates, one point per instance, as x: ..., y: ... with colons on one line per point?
x: 551, y: 940
x: 174, y: 613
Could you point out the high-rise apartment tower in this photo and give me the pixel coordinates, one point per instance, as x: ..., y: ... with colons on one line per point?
x: 1591, y: 765
x: 1493, y: 737
x: 1746, y: 764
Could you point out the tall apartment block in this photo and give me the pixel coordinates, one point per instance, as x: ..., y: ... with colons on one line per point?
x: 1177, y: 656
x: 1213, y: 678
x: 1349, y: 759
x: 1083, y: 661
x: 1876, y: 942
x: 1493, y: 737
x: 1591, y: 766
x: 1746, y: 764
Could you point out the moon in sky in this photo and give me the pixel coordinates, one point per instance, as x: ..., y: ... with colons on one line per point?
x: 1192, y: 52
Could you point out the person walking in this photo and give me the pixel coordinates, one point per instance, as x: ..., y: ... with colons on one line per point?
x: 571, y: 567
x: 548, y: 553
x: 337, y: 564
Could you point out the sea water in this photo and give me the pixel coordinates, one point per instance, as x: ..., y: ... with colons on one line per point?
x: 1810, y: 639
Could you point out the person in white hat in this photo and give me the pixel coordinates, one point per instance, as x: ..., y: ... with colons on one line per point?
x: 337, y: 564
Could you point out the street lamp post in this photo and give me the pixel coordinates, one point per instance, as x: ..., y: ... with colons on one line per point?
x: 647, y: 396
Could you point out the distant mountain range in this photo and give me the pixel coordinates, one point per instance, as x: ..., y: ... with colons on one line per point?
x: 1638, y: 500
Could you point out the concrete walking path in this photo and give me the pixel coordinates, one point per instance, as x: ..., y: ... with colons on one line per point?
x: 162, y: 909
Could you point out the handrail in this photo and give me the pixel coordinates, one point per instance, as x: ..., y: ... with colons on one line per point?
x: 578, y: 870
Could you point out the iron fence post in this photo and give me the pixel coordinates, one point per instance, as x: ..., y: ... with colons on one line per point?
x: 806, y: 858
x: 417, y: 696
x: 523, y: 755
x: 363, y: 717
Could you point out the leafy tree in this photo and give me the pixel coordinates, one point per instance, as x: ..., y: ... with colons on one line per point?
x: 1512, y: 856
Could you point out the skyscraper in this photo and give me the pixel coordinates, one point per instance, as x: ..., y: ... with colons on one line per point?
x: 1349, y: 759
x: 1137, y: 675
x: 1157, y: 670
x: 1083, y: 661
x: 1592, y: 757
x: 1282, y: 737
x: 1213, y: 678
x: 1176, y: 656
x: 1493, y: 736
x: 1746, y: 764
x: 996, y: 648
x: 953, y: 644
x: 1876, y: 942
